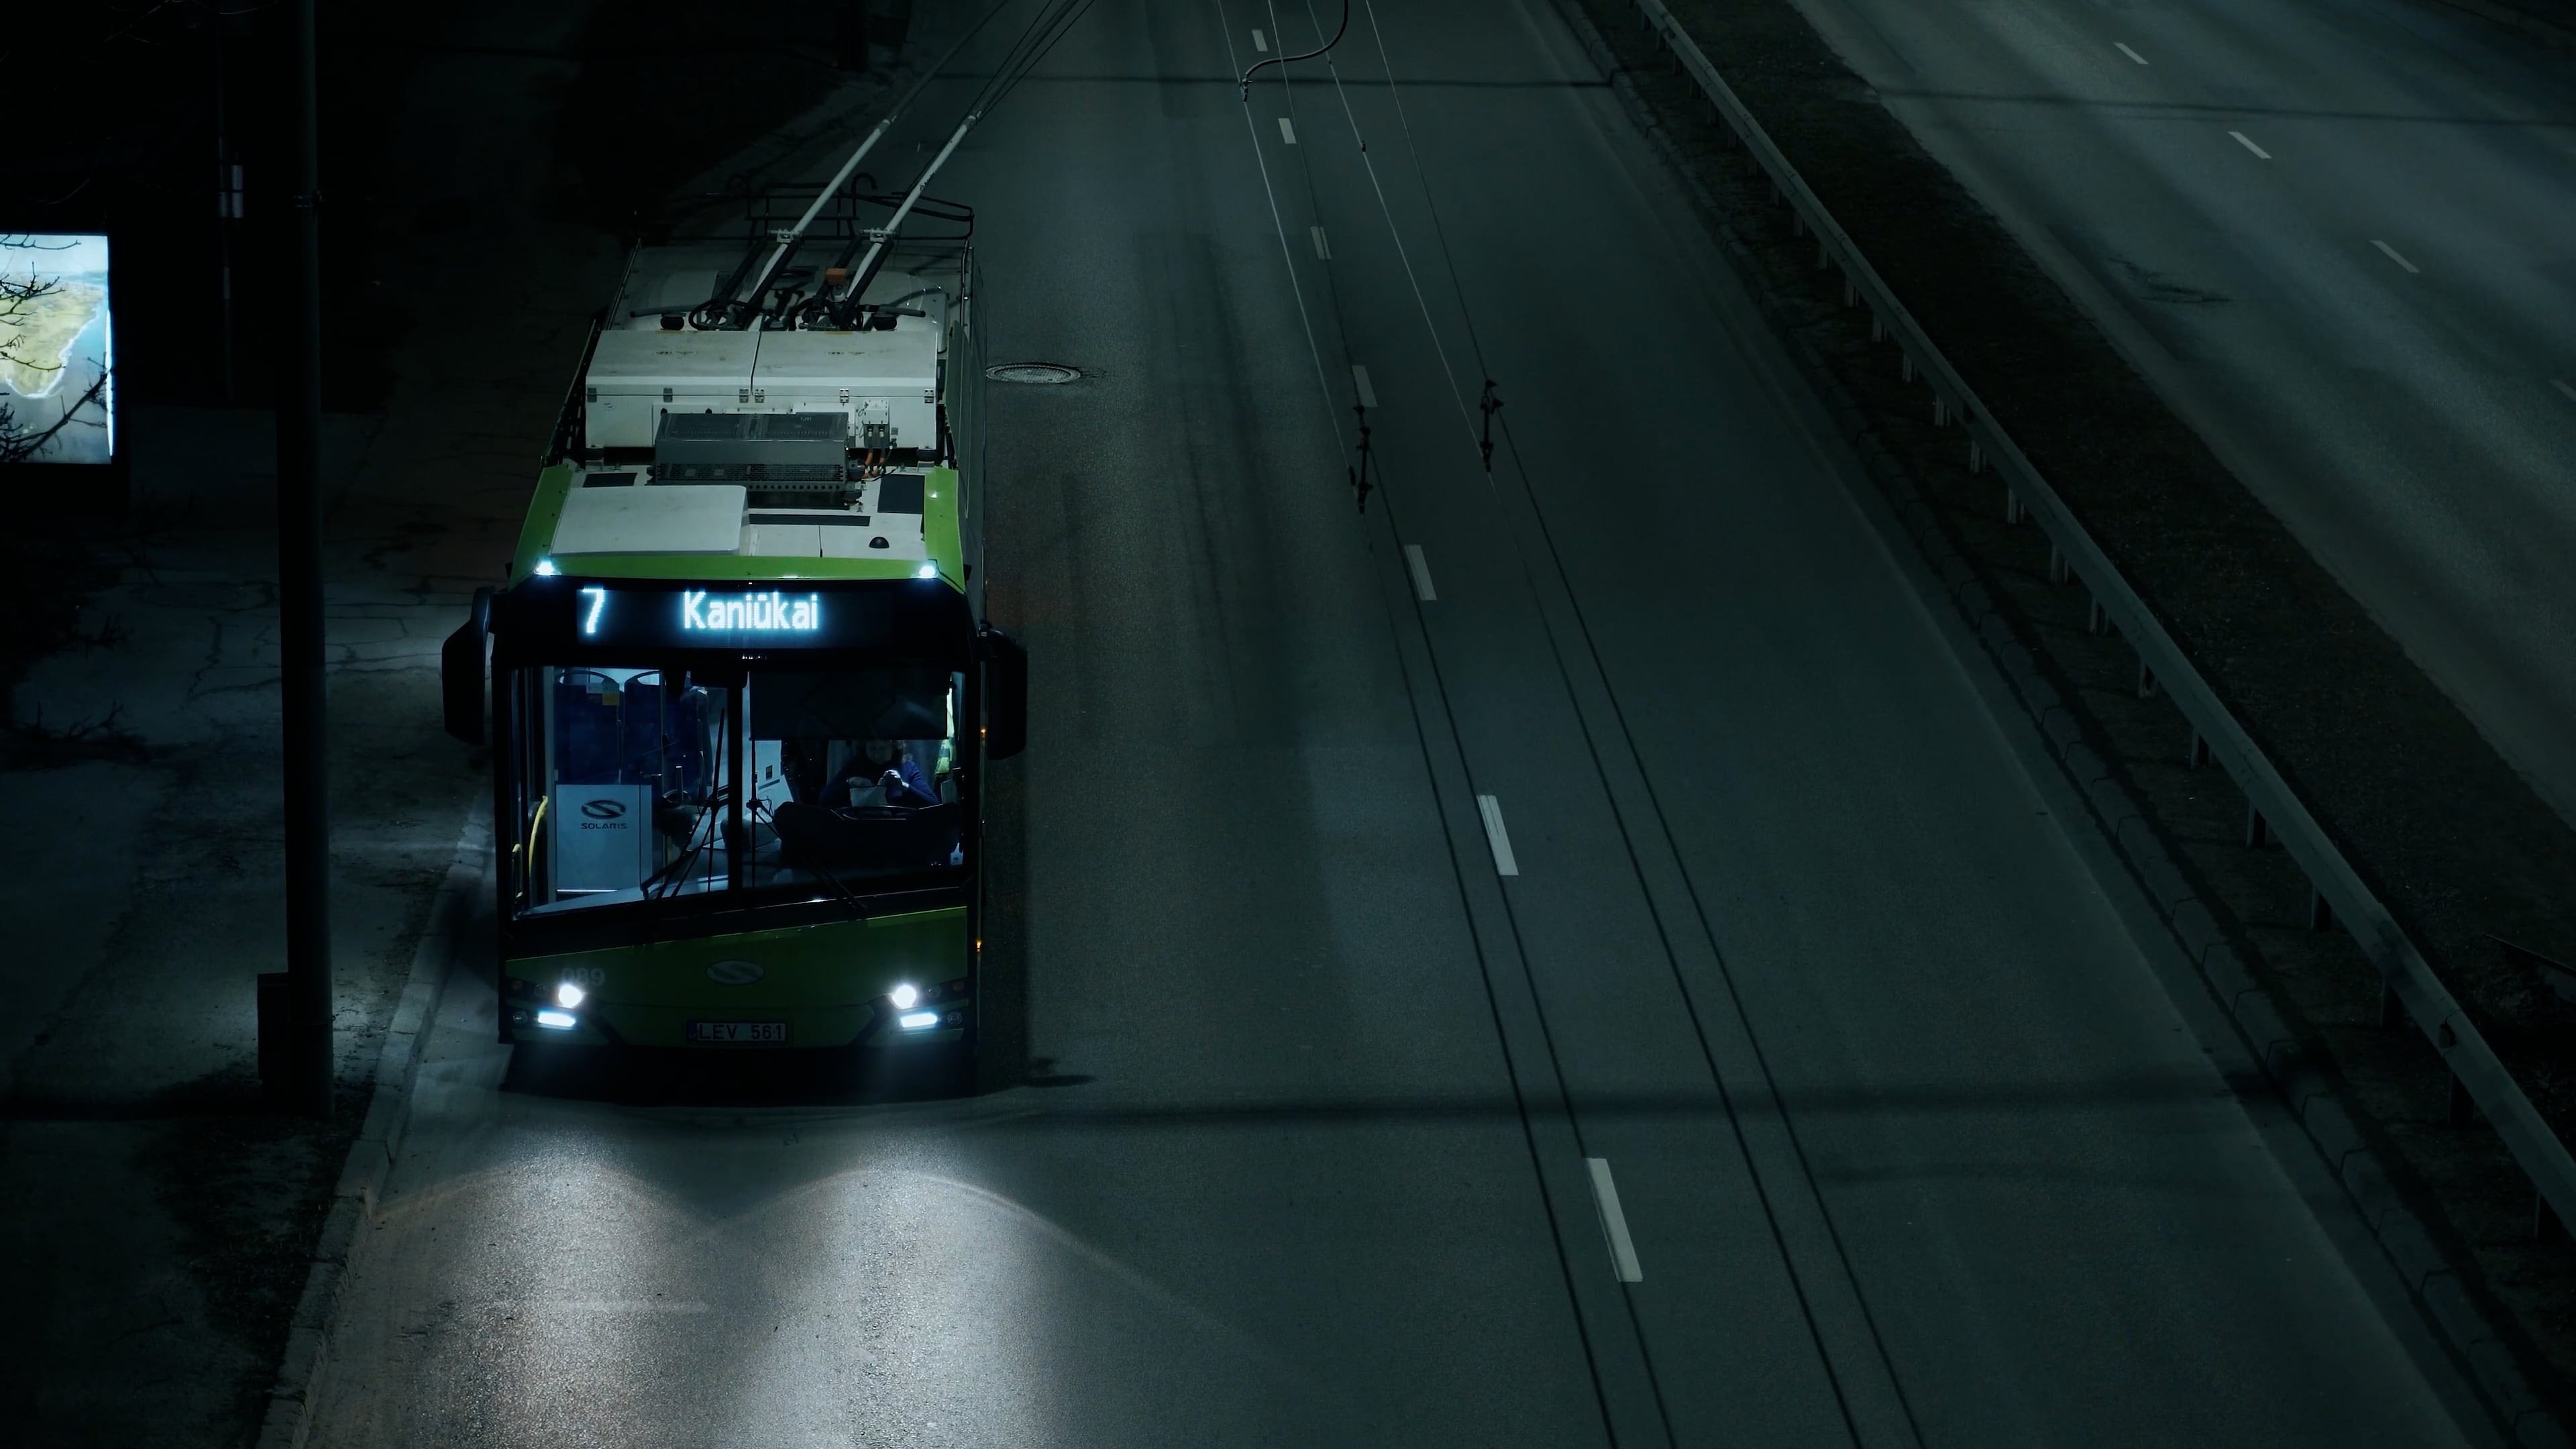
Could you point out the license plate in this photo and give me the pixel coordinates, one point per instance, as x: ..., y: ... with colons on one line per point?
x: 737, y: 1033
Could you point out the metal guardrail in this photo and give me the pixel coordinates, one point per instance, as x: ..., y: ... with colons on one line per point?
x: 2275, y: 807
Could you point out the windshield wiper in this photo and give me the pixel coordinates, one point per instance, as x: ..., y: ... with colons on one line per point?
x: 846, y: 896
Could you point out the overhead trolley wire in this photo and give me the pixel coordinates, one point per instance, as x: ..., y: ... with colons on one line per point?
x: 1036, y: 40
x: 1565, y: 582
x: 1395, y: 232
x: 724, y: 300
x: 1422, y: 735
x: 1422, y: 178
x: 1287, y: 254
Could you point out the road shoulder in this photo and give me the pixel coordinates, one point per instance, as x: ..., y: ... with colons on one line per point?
x: 1842, y: 147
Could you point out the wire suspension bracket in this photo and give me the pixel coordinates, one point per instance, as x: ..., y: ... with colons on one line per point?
x: 1488, y: 404
x: 1244, y: 87
x: 1359, y: 473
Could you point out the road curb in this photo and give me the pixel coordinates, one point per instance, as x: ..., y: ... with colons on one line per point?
x: 379, y: 1141
x: 2443, y: 1301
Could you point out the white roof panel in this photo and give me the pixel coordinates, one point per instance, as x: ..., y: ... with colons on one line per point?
x: 782, y: 540
x: 660, y: 518
x: 634, y: 360
x: 904, y: 360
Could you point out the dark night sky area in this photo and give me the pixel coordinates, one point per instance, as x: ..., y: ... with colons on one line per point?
x: 133, y: 142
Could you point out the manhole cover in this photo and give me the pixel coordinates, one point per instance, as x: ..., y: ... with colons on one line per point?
x: 1041, y: 372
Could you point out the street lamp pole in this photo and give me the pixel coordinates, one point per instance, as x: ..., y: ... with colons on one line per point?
x: 305, y: 1055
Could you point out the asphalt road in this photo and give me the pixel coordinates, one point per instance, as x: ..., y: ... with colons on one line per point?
x: 2333, y: 233
x: 1910, y: 1142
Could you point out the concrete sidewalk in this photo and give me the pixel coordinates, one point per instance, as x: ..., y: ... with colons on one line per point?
x: 156, y: 1223
x: 152, y: 1212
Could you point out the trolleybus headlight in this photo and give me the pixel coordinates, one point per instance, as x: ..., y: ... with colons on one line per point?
x: 927, y: 571
x: 545, y: 568
x: 557, y: 1020
x: 904, y: 996
x: 909, y: 1021
x: 569, y: 996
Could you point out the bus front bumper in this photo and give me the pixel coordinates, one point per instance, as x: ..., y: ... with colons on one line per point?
x: 597, y: 1023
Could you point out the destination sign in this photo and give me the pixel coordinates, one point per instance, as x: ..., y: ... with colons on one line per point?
x: 721, y: 617
x: 757, y: 613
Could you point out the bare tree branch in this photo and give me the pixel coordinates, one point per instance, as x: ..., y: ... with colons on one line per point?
x: 20, y: 444
x: 19, y: 295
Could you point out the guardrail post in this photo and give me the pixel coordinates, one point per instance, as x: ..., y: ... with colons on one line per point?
x: 1851, y: 291
x: 1905, y: 368
x: 2146, y: 679
x: 2012, y: 506
x: 2057, y: 570
x: 1822, y: 261
x: 1976, y: 458
x: 2199, y: 752
x: 2320, y: 910
x: 2096, y: 618
x: 1940, y: 409
x: 1877, y: 327
x: 2257, y: 830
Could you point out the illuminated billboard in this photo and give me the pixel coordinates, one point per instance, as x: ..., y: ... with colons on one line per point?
x: 57, y: 350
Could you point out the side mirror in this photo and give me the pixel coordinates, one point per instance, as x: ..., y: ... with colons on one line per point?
x: 460, y: 671
x: 1006, y: 694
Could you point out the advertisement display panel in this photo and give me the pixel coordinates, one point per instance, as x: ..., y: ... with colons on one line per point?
x: 57, y: 349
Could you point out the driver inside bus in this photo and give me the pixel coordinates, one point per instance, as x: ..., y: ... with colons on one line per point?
x: 891, y: 766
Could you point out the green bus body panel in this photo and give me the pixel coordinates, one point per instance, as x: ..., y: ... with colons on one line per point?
x: 545, y: 510
x: 940, y: 500
x: 939, y: 531
x: 823, y: 980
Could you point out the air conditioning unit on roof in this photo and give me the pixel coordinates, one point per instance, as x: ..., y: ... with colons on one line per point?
x: 770, y: 449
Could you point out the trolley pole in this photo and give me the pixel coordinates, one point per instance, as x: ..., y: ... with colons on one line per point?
x: 304, y: 1055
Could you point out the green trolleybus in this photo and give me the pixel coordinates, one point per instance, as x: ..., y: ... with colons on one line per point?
x: 738, y: 691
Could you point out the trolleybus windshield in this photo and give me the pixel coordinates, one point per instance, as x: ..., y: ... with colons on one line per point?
x: 749, y: 781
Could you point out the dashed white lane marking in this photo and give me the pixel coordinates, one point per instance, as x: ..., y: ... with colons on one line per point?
x: 1260, y: 44
x: 2561, y: 384
x: 1614, y: 1223
x: 2390, y: 252
x: 1413, y: 560
x: 1287, y: 133
x: 1323, y: 249
x: 1359, y: 378
x: 1496, y: 836
x: 2241, y: 139
x: 2124, y: 50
